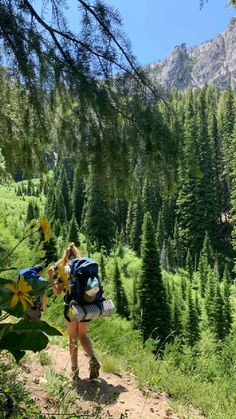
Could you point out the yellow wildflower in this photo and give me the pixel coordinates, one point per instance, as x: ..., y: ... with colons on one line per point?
x: 20, y: 291
x: 45, y: 227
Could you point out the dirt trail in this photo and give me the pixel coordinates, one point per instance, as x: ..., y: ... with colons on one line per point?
x: 114, y: 396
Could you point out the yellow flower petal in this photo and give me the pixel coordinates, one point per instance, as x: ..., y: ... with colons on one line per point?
x: 14, y: 300
x: 29, y: 299
x: 20, y: 290
x: 46, y: 228
x: 23, y: 287
x: 23, y: 302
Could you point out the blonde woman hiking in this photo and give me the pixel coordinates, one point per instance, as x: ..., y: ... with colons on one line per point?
x: 59, y: 274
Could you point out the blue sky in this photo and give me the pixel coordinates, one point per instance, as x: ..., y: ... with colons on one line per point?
x: 155, y: 27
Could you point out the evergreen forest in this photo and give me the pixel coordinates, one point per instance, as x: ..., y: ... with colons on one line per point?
x: 143, y: 182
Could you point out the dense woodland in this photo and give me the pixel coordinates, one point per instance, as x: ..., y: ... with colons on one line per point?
x: 165, y: 248
x: 186, y: 228
x: 144, y: 183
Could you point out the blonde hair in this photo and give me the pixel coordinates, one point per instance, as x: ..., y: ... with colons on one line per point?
x: 70, y: 252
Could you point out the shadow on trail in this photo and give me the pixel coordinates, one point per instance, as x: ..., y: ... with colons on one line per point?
x: 99, y: 391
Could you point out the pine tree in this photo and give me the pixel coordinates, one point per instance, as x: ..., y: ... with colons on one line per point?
x: 218, y: 162
x: 73, y: 231
x: 136, y: 227
x: 178, y: 251
x: 167, y: 255
x: 189, y: 264
x: 50, y: 251
x: 78, y: 196
x: 50, y: 205
x: 226, y: 139
x: 210, y: 298
x: 64, y: 233
x: 206, y: 262
x: 153, y: 306
x: 120, y: 298
x: 228, y: 316
x: 192, y: 330
x: 120, y: 208
x: 57, y: 228
x: 184, y: 287
x: 170, y: 253
x: 129, y: 221
x: 161, y: 234
x: 36, y: 210
x: 19, y: 191
x: 29, y: 188
x: 219, y: 313
x: 151, y: 199
x: 30, y: 212
x: 226, y: 118
x: 176, y: 314
x: 135, y: 312
x: 197, y: 200
x: 59, y: 210
x: 64, y: 187
x: 98, y: 219
x: 168, y: 214
x: 102, y: 267
x: 233, y: 193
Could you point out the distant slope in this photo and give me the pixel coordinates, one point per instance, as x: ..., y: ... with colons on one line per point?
x: 213, y: 62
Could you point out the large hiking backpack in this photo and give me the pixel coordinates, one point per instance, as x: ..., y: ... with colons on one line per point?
x: 85, y: 285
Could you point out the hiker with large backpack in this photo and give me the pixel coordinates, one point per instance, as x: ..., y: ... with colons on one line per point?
x: 35, y: 311
x: 78, y: 278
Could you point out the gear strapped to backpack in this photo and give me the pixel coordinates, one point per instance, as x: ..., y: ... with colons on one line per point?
x: 85, y: 286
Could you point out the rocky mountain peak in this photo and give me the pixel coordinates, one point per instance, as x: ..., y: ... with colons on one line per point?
x: 212, y: 62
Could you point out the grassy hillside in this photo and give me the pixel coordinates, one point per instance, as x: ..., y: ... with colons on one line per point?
x: 13, y: 224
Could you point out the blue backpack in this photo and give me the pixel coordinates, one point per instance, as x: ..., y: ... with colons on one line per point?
x: 85, y: 285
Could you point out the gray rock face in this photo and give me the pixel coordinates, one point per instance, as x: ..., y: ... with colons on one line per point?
x: 213, y: 62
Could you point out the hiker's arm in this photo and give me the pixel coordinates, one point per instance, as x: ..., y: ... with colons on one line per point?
x: 50, y: 273
x: 57, y: 288
x: 43, y: 302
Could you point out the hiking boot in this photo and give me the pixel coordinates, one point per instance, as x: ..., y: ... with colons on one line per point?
x: 94, y: 367
x: 75, y: 373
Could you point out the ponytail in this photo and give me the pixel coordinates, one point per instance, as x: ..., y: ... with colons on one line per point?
x: 71, y: 252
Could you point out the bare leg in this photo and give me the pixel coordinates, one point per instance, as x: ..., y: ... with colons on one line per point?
x: 73, y: 338
x: 84, y: 339
x: 94, y: 365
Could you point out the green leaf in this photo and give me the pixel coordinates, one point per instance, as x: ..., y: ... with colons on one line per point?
x: 31, y: 340
x: 5, y: 328
x: 5, y: 297
x: 28, y: 325
x: 31, y: 325
x: 18, y: 354
x: 25, y: 335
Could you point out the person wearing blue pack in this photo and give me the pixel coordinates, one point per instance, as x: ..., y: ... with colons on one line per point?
x: 78, y: 278
x: 35, y: 311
